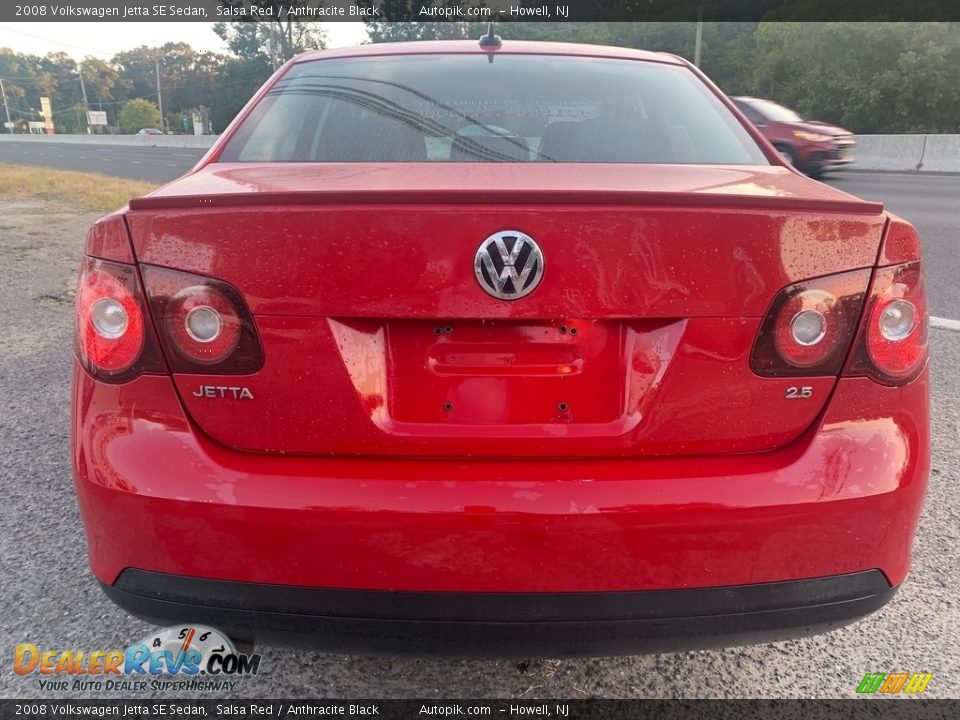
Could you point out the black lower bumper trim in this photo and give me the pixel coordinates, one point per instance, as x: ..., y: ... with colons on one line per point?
x: 504, y: 624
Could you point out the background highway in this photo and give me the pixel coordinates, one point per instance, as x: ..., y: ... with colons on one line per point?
x: 152, y: 164
x: 51, y: 599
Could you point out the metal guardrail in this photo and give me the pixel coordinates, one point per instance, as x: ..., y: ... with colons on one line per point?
x: 202, y: 142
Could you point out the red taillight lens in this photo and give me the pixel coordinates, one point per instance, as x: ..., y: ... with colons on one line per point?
x: 892, y: 345
x: 205, y: 326
x: 114, y: 339
x: 809, y: 326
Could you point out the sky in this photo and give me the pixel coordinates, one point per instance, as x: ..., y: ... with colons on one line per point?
x: 106, y: 39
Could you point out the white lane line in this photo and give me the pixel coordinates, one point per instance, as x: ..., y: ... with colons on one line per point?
x: 894, y: 173
x: 945, y: 323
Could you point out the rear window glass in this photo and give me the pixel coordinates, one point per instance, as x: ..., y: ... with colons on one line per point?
x: 463, y: 108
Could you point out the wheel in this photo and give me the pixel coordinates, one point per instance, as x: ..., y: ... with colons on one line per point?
x: 786, y: 154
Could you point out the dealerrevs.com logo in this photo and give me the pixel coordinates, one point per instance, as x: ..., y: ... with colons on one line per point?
x: 191, y: 657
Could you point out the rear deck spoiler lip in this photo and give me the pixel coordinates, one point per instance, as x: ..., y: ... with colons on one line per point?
x: 459, y: 196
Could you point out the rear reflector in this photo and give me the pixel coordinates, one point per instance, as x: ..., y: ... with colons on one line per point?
x: 892, y: 344
x: 809, y: 326
x: 114, y: 340
x: 204, y: 325
x: 901, y: 243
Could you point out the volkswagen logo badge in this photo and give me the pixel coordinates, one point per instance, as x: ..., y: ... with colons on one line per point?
x: 509, y: 265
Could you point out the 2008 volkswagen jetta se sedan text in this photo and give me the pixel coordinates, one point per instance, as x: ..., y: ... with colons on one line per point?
x: 505, y: 348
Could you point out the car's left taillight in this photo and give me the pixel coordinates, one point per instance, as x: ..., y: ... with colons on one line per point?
x: 114, y: 337
x: 892, y: 344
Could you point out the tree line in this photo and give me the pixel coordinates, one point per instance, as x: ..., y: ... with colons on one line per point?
x: 871, y: 77
x: 125, y: 86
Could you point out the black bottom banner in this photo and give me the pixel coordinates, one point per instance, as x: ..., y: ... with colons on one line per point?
x: 905, y: 709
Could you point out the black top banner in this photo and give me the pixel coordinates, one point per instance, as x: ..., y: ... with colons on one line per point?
x: 479, y: 10
x: 297, y: 709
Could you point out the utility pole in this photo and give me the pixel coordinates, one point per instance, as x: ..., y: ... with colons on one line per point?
x: 272, y: 43
x: 86, y: 105
x: 156, y: 65
x: 6, y: 107
x: 696, y: 47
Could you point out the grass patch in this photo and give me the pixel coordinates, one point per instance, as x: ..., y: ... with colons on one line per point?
x: 89, y: 191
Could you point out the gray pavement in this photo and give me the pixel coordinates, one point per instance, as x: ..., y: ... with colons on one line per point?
x: 151, y: 164
x: 50, y: 599
x: 932, y: 204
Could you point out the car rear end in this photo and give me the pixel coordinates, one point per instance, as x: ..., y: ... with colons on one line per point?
x: 831, y: 148
x: 559, y: 361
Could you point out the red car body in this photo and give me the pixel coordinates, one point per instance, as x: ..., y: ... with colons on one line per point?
x: 813, y: 147
x: 391, y: 459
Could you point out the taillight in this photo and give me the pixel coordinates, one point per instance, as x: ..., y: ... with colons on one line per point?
x: 809, y: 326
x: 114, y: 340
x: 203, y: 323
x: 892, y: 345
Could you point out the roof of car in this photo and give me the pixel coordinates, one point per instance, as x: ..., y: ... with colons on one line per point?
x: 511, y: 47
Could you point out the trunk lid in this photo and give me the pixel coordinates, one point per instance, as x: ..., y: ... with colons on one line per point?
x: 379, y: 340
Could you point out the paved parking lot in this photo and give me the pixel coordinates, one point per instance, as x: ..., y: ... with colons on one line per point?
x: 51, y: 600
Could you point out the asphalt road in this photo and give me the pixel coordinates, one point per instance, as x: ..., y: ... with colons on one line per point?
x: 151, y: 164
x: 932, y: 204
x: 51, y: 600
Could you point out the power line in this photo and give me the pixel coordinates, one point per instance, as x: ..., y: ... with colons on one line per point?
x: 49, y: 41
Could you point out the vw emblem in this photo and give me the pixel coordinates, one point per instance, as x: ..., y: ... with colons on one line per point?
x: 509, y: 264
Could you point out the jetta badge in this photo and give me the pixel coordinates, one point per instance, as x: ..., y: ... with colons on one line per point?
x: 509, y: 265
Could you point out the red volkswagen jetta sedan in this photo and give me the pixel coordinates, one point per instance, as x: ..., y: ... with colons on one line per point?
x: 501, y: 349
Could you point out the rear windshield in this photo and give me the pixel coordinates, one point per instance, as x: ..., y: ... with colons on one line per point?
x: 463, y: 108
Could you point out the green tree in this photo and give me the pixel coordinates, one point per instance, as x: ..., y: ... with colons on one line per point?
x: 237, y: 81
x: 879, y: 77
x: 275, y: 40
x: 139, y: 113
x: 389, y: 30
x: 411, y: 31
x: 870, y: 77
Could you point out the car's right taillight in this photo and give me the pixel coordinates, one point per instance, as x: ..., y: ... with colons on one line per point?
x: 203, y: 323
x: 891, y: 346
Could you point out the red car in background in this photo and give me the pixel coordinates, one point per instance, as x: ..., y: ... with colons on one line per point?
x: 506, y: 349
x: 811, y: 147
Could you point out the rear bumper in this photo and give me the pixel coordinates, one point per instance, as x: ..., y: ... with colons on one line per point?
x: 504, y: 624
x: 157, y: 495
x: 827, y: 155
